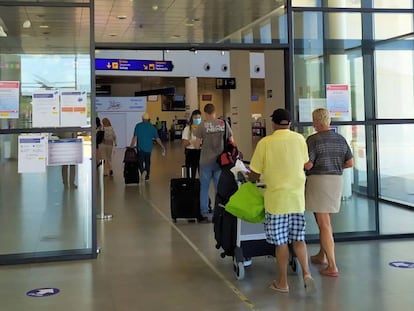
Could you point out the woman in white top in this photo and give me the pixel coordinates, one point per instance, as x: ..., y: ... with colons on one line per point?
x: 192, y: 155
x: 106, y: 146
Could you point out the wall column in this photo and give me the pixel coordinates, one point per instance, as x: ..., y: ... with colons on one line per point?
x: 274, y: 85
x: 191, y: 95
x: 240, y: 111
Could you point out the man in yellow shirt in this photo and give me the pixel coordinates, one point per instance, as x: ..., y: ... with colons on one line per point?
x: 280, y: 159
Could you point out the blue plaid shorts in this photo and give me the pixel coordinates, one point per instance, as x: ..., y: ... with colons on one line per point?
x: 284, y: 229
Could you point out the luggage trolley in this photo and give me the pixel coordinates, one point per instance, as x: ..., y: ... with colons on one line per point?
x: 240, y: 239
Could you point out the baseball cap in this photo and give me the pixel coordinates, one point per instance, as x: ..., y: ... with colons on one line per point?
x: 145, y: 116
x: 281, y: 117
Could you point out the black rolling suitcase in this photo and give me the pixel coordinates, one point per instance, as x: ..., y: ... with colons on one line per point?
x: 225, y: 224
x: 131, y: 167
x: 185, y: 198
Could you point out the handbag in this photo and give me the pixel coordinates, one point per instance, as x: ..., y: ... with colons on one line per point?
x: 247, y: 203
x: 228, y: 157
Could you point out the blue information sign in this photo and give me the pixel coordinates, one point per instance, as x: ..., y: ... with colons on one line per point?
x: 133, y: 65
x: 42, y: 292
x: 402, y: 264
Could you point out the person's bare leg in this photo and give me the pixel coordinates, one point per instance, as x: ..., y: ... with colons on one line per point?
x: 282, y: 258
x: 299, y: 247
x: 320, y: 257
x: 327, y: 240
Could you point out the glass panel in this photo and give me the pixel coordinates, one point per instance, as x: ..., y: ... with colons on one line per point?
x: 357, y: 212
x: 387, y: 25
x: 344, y: 3
x: 396, y: 177
x: 392, y: 4
x: 306, y: 3
x: 395, y: 155
x: 266, y: 33
x: 394, y: 84
x: 318, y: 62
x: 45, y: 179
x: 44, y: 214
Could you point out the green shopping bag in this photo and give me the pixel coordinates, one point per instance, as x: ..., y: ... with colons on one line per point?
x: 247, y: 203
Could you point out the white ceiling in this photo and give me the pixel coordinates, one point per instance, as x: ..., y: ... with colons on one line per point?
x: 65, y: 28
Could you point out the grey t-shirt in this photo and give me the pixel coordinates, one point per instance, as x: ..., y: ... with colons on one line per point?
x: 211, y: 133
x: 328, y: 151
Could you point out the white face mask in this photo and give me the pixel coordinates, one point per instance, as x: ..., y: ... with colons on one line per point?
x: 197, y: 121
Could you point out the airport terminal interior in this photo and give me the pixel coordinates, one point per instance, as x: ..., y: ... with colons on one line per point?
x: 74, y: 239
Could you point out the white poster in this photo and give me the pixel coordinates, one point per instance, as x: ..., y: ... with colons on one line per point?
x: 32, y: 154
x: 9, y: 99
x: 73, y: 108
x: 337, y: 99
x: 65, y: 151
x: 45, y: 108
x: 307, y: 106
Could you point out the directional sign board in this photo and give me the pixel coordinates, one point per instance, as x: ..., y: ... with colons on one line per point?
x: 133, y: 65
x: 225, y: 83
x: 402, y: 264
x: 42, y: 292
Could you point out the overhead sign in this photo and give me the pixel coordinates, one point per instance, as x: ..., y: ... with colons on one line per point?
x: 42, y: 292
x: 133, y: 65
x: 225, y: 83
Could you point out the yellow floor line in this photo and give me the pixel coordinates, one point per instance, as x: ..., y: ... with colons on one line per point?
x: 235, y: 290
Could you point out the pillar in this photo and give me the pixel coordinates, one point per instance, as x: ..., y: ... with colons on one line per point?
x: 191, y: 95
x: 240, y: 98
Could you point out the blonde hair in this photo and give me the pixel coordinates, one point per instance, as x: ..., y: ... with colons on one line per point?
x: 106, y: 122
x: 321, y: 116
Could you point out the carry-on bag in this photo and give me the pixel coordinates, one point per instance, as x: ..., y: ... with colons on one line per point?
x: 131, y: 167
x: 185, y: 197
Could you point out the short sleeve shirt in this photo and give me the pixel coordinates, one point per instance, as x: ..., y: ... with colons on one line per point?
x: 328, y: 151
x: 211, y: 133
x: 145, y: 133
x: 280, y: 159
x: 189, y: 135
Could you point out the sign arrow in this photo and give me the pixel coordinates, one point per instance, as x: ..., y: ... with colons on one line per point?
x: 108, y: 65
x: 42, y: 292
x: 402, y: 264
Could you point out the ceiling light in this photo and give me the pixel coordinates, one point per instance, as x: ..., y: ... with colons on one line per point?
x: 155, y: 7
x: 27, y: 24
x: 121, y: 16
x: 3, y: 34
x: 44, y: 26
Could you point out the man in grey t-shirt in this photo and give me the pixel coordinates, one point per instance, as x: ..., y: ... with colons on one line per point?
x: 210, y: 134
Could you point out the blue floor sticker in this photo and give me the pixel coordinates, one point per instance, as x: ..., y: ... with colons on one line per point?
x: 402, y: 264
x: 43, y: 292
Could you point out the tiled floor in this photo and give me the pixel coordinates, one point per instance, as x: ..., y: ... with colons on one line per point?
x: 149, y: 263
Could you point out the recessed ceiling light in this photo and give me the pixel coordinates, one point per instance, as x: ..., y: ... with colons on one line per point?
x: 175, y: 36
x: 189, y: 24
x: 155, y: 7
x: 27, y: 24
x: 113, y: 34
x: 44, y: 26
x: 121, y: 16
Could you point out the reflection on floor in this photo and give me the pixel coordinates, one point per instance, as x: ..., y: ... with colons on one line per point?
x: 149, y: 263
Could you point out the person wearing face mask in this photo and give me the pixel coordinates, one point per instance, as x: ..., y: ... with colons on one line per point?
x: 192, y: 154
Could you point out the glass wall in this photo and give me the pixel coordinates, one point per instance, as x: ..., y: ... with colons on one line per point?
x: 46, y: 158
x: 367, y: 56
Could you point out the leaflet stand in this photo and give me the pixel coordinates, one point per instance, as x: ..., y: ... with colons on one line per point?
x: 102, y: 214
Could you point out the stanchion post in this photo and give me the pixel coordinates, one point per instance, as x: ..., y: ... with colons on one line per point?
x: 102, y: 214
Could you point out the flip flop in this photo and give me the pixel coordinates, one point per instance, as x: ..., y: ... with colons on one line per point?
x: 325, y: 272
x: 315, y: 260
x: 310, y: 285
x: 278, y: 289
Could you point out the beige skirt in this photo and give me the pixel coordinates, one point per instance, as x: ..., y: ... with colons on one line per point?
x: 323, y: 193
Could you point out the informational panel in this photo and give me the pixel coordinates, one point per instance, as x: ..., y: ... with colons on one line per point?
x: 9, y: 99
x: 337, y: 100
x: 124, y: 113
x: 65, y: 151
x: 45, y: 108
x: 307, y: 106
x: 73, y: 108
x: 32, y: 151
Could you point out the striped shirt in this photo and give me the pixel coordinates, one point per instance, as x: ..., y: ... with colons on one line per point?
x: 328, y: 151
